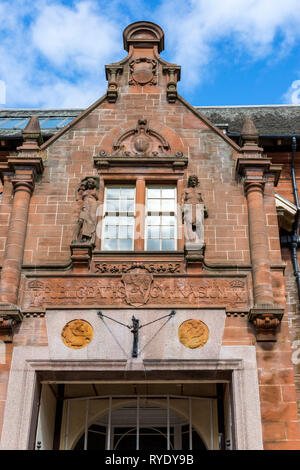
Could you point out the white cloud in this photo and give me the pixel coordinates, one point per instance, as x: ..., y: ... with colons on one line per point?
x: 54, y: 55
x: 254, y: 29
x: 292, y: 96
x: 78, y: 38
x: 53, y: 52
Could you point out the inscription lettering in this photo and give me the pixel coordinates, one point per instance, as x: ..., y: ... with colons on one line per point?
x: 201, y: 291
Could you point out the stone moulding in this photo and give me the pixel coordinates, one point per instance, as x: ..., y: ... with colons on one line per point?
x: 105, y: 160
x: 31, y: 364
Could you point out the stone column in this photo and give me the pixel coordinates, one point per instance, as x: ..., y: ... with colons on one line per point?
x: 25, y: 167
x: 259, y: 248
x: 13, y: 258
x: 253, y: 167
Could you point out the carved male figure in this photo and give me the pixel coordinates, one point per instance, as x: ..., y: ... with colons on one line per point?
x: 193, y: 214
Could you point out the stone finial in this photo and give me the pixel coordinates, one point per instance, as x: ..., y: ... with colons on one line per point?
x: 143, y: 34
x: 250, y: 135
x: 32, y: 137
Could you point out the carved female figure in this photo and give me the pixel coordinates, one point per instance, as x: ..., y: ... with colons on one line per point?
x: 193, y: 213
x: 87, y: 219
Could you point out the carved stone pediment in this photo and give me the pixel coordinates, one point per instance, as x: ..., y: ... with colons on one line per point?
x: 139, y: 145
x: 141, y: 140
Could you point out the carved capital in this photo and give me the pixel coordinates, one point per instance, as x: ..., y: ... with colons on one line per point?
x: 266, y: 321
x: 26, y: 168
x: 254, y: 186
x: 253, y: 168
x: 23, y: 185
x: 10, y: 316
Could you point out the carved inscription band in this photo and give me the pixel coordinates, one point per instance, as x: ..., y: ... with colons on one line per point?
x: 135, y: 289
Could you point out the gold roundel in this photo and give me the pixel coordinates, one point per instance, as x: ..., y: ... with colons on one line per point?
x: 193, y: 333
x: 77, y: 334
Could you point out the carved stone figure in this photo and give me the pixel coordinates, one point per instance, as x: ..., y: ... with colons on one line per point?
x: 86, y: 226
x: 194, y: 212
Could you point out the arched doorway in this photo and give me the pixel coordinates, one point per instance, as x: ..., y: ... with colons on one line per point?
x: 141, y: 426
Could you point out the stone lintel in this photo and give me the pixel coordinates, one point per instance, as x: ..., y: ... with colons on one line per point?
x: 10, y: 315
x: 266, y: 319
x: 110, y: 160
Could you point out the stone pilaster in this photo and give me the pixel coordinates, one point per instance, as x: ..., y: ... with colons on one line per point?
x: 253, y: 168
x: 25, y: 168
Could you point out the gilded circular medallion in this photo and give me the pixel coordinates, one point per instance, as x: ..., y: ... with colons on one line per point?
x: 77, y: 334
x: 193, y: 334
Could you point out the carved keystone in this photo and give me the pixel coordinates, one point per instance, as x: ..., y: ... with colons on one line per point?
x: 266, y: 320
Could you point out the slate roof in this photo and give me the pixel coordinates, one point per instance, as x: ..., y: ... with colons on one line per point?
x: 279, y: 121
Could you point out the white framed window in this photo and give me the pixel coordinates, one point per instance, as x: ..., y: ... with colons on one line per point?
x: 161, y: 223
x: 119, y: 218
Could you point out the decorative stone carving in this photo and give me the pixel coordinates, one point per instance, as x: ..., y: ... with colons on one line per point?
x: 113, y: 73
x: 143, y: 34
x: 193, y: 334
x: 142, y: 140
x: 137, y: 282
x: 77, y: 334
x: 143, y: 288
x: 173, y: 73
x: 119, y: 268
x: 10, y: 316
x: 143, y: 71
x: 194, y: 212
x: 266, y: 320
x: 86, y: 226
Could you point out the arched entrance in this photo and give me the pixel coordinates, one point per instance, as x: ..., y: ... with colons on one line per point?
x: 142, y: 426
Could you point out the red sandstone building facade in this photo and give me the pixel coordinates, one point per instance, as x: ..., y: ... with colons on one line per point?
x: 147, y: 295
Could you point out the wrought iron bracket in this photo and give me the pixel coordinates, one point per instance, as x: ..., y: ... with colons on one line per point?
x: 135, y: 327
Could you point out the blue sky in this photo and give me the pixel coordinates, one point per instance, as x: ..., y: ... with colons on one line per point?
x: 232, y: 52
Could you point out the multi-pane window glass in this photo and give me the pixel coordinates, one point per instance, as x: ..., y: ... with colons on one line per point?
x: 119, y: 211
x: 161, y: 218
